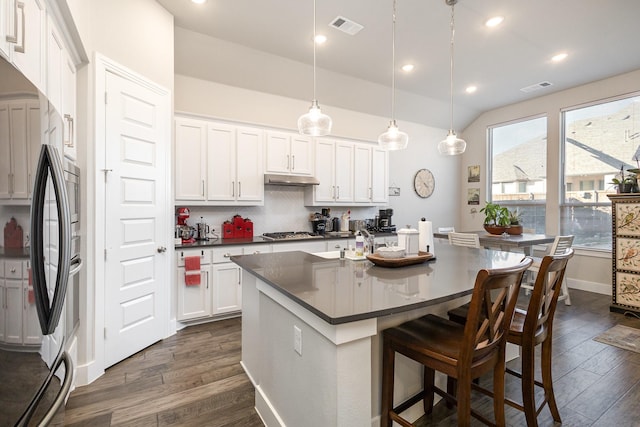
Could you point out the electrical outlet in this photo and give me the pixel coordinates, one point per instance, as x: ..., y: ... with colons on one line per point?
x: 297, y: 340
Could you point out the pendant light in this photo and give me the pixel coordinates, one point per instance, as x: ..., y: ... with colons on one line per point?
x: 314, y: 123
x: 393, y: 138
x: 452, y: 145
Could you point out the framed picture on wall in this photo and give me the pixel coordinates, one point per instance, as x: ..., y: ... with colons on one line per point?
x: 473, y: 173
x: 473, y: 196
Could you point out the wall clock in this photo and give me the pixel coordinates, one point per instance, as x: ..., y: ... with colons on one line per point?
x: 424, y: 183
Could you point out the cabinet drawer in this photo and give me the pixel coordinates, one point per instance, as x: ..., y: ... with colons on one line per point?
x: 13, y: 269
x: 223, y: 254
x: 257, y: 249
x: 205, y: 255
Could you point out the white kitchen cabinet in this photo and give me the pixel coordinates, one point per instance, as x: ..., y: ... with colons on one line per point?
x: 55, y: 61
x: 19, y: 133
x: 69, y: 106
x: 289, y: 153
x: 227, y: 281
x: 362, y: 166
x: 380, y: 175
x: 18, y: 320
x: 191, y: 159
x: 235, y: 165
x: 21, y: 37
x: 310, y: 246
x: 194, y: 302
x: 218, y: 164
x: 334, y: 169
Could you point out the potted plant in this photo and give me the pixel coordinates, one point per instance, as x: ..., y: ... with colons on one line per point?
x: 496, y: 218
x: 515, y: 228
x: 626, y: 182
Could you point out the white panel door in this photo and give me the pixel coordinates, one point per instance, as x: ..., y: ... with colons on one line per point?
x: 136, y: 291
x: 221, y: 155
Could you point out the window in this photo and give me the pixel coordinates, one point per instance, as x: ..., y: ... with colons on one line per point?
x: 519, y: 169
x: 598, y: 140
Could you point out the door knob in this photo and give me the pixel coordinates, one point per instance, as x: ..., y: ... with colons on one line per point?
x: 162, y: 249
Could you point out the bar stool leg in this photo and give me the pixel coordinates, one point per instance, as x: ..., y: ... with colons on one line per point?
x: 547, y: 382
x: 498, y: 389
x: 528, y: 385
x: 388, y: 368
x: 427, y: 400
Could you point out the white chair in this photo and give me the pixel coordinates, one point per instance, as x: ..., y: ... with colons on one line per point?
x: 469, y: 240
x: 559, y: 246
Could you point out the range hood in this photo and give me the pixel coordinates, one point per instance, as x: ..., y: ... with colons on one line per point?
x: 293, y: 180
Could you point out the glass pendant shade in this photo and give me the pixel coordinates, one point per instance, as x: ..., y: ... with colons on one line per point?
x: 393, y: 138
x: 452, y: 145
x: 315, y: 122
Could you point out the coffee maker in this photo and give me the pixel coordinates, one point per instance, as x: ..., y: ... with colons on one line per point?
x: 385, y: 224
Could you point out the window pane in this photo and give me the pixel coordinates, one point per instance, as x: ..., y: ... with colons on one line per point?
x: 519, y: 169
x: 599, y: 140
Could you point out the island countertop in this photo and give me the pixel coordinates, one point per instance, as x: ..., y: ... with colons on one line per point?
x: 341, y: 291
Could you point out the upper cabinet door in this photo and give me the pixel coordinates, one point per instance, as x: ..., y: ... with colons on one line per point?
x: 278, y: 152
x: 221, y: 164
x: 250, y: 169
x: 190, y: 155
x: 344, y: 172
x: 325, y: 167
x: 55, y: 56
x: 301, y: 155
x: 362, y: 174
x: 27, y: 51
x: 6, y: 26
x: 380, y: 175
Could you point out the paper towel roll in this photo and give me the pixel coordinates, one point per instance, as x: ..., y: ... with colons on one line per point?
x: 425, y: 237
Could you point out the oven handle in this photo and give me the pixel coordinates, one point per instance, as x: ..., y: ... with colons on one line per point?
x: 76, y: 265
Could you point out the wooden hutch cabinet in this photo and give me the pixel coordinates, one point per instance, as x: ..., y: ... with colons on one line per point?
x: 625, y: 212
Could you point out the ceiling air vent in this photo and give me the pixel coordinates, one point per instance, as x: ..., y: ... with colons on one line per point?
x: 536, y: 86
x: 346, y: 25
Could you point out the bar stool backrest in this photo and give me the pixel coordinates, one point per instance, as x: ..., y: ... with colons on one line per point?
x: 469, y: 240
x: 561, y: 244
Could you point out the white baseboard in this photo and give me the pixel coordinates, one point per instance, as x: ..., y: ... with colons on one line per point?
x: 584, y: 285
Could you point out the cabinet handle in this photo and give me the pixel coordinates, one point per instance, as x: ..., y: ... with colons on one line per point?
x: 256, y: 252
x: 14, y: 38
x: 370, y: 193
x: 203, y: 188
x: 20, y: 48
x: 338, y: 187
x: 337, y: 246
x: 239, y: 189
x: 13, y: 270
x: 233, y: 189
x: 288, y: 162
x: 69, y: 141
x: 207, y: 274
x: 333, y: 195
x: 227, y: 255
x: 293, y: 163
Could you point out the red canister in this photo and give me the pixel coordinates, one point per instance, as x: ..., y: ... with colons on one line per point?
x: 227, y: 230
x: 248, y: 229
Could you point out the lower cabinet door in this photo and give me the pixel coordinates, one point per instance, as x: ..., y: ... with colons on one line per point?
x: 227, y: 288
x: 32, y: 334
x: 194, y: 301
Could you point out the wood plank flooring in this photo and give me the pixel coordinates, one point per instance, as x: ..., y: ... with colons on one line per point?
x: 194, y: 378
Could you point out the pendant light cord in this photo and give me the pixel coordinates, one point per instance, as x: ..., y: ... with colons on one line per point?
x: 451, y: 64
x: 314, y: 51
x: 393, y: 63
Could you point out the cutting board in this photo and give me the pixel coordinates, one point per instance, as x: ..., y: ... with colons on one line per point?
x: 12, y: 235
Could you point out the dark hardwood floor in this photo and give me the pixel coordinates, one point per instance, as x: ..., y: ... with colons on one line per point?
x: 194, y: 379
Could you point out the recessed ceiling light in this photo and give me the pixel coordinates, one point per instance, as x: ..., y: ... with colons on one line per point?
x: 494, y: 21
x: 199, y: 1
x: 320, y: 39
x: 471, y: 89
x: 559, y: 57
x: 407, y: 67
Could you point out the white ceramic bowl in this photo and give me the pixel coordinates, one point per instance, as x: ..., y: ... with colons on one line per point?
x: 391, y: 252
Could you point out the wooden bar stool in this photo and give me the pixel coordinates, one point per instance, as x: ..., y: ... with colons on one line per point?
x: 528, y: 329
x: 461, y: 352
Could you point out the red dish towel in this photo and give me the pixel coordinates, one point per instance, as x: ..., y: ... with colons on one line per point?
x: 192, y: 263
x: 192, y: 279
x: 192, y: 271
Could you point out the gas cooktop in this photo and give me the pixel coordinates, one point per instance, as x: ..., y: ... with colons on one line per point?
x: 291, y: 235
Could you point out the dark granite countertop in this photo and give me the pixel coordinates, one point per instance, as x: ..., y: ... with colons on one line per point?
x: 260, y: 240
x: 342, y: 291
x: 14, y: 253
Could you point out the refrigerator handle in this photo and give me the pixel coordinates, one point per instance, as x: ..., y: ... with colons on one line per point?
x: 49, y: 312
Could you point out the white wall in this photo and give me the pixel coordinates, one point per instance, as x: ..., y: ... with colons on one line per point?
x: 232, y: 103
x: 583, y: 269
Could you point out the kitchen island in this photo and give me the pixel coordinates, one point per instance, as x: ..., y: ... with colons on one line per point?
x: 311, y: 325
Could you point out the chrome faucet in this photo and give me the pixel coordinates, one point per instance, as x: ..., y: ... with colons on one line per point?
x: 369, y: 241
